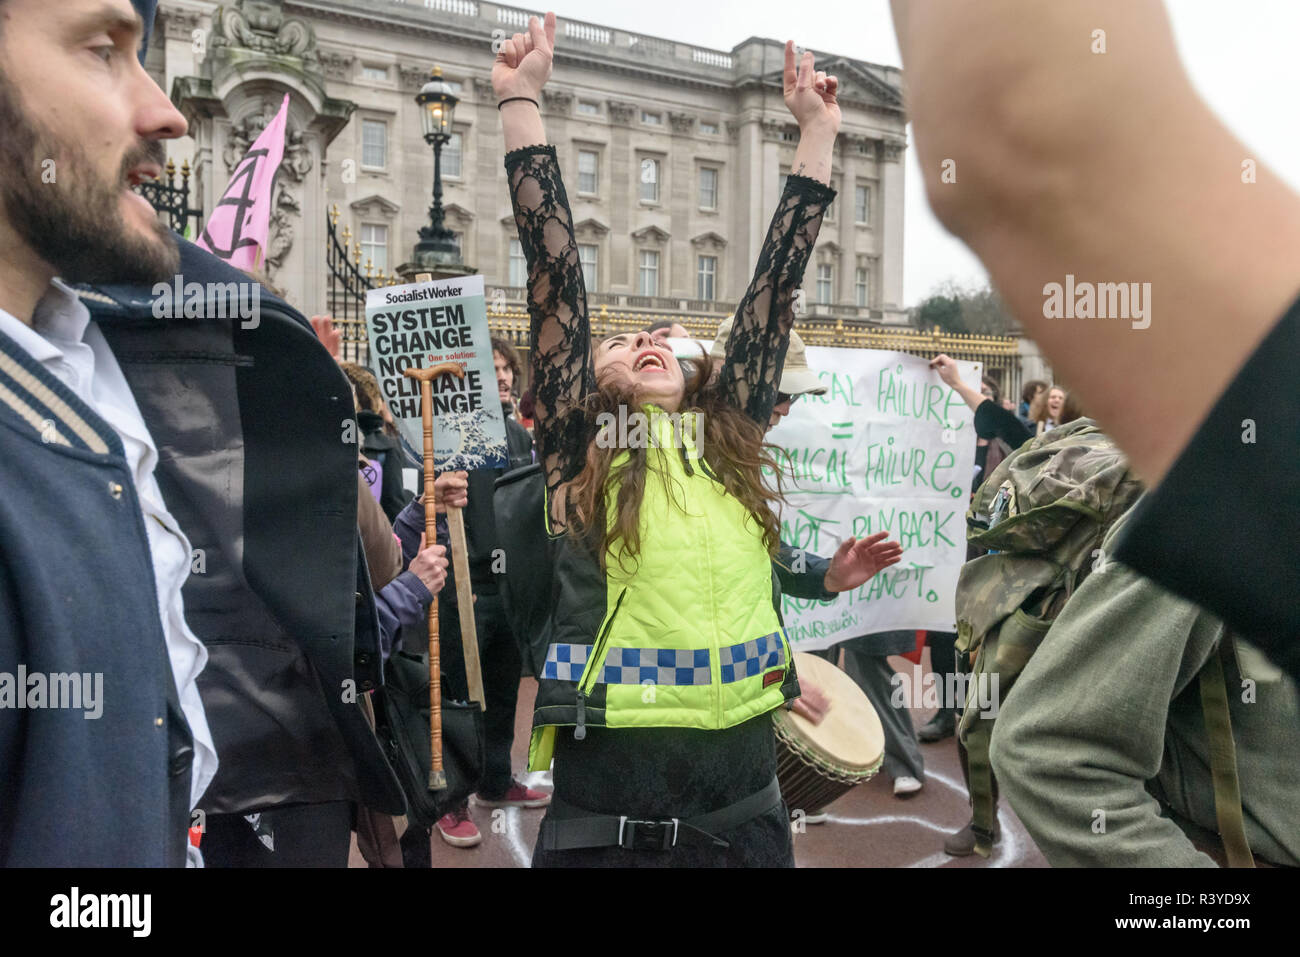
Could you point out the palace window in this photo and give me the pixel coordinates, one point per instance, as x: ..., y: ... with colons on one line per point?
x: 588, y: 172
x: 861, y: 287
x: 706, y: 278
x: 451, y: 157
x: 648, y: 274
x: 589, y: 257
x: 518, y: 264
x: 825, y: 283
x: 649, y: 180
x: 374, y: 144
x: 374, y: 246
x: 708, y: 188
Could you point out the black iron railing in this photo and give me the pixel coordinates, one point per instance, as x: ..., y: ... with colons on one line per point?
x: 173, y: 201
x: 349, y: 282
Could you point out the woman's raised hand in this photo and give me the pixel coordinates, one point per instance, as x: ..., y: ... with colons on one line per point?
x: 523, y: 63
x: 809, y: 93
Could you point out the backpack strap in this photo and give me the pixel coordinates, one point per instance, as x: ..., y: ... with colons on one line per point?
x: 1223, y: 757
x: 976, y: 737
x: 984, y: 808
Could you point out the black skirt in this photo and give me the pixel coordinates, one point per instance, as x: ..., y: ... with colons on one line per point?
x: 672, y: 772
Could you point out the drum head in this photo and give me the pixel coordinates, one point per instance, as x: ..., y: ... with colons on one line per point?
x: 850, y: 736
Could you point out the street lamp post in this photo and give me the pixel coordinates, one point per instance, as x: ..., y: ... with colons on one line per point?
x: 437, y: 246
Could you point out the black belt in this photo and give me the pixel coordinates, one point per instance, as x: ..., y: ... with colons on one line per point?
x: 585, y: 829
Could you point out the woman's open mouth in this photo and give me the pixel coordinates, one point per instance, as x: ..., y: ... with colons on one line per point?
x: 649, y: 360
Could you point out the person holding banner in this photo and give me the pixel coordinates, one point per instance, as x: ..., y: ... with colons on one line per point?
x: 992, y: 421
x: 667, y: 652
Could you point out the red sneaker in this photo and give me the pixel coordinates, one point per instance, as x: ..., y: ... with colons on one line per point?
x: 457, y: 829
x: 517, y: 795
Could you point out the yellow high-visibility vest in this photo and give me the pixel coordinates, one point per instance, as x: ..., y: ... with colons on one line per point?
x: 689, y: 637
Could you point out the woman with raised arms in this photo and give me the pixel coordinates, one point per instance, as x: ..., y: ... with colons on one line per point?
x: 666, y: 652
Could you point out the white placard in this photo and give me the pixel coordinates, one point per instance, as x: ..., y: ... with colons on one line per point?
x: 422, y: 325
x: 888, y: 448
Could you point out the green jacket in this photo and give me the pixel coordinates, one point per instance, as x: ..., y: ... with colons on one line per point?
x: 685, y: 635
x: 1106, y: 726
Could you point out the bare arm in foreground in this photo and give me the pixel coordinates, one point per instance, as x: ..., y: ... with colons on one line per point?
x: 1108, y: 167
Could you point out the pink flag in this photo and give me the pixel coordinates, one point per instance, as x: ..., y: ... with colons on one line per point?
x: 236, y: 231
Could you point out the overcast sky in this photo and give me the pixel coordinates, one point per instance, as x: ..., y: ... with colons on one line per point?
x: 1240, y: 53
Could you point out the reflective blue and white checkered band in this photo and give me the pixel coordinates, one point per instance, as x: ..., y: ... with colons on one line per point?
x: 661, y: 666
x: 565, y: 662
x: 631, y: 666
x: 666, y: 666
x: 752, y: 657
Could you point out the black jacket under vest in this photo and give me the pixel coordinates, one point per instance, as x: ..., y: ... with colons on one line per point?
x: 482, y: 538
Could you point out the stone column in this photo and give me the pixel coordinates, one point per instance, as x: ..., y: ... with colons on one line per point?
x: 1033, y: 365
x: 681, y: 205
x: 846, y: 166
x: 891, y: 245
x: 768, y: 185
x: 623, y: 175
x: 491, y: 200
x: 750, y: 194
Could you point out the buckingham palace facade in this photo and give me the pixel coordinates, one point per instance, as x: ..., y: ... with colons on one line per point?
x: 673, y: 155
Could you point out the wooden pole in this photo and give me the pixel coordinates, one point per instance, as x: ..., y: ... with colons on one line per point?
x: 437, y: 775
x: 465, y: 605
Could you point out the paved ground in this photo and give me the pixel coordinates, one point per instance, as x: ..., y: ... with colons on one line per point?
x: 868, y: 827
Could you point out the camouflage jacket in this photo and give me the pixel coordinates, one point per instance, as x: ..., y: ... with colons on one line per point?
x: 1042, y: 514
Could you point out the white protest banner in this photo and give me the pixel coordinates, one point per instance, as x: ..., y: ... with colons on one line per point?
x: 424, y: 324
x: 888, y: 448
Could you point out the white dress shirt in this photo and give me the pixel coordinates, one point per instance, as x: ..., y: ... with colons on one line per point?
x: 70, y: 347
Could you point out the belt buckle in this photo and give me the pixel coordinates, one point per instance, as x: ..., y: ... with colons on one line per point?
x: 657, y: 835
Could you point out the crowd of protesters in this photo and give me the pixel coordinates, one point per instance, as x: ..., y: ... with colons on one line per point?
x: 177, y: 528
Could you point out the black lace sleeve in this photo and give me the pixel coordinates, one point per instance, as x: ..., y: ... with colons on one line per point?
x: 562, y: 370
x: 755, y: 355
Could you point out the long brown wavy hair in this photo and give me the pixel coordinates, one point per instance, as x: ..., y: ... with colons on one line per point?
x: 732, y: 447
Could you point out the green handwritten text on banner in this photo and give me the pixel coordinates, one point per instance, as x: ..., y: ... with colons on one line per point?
x: 888, y: 448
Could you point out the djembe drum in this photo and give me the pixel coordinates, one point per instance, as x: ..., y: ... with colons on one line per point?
x: 816, y: 763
